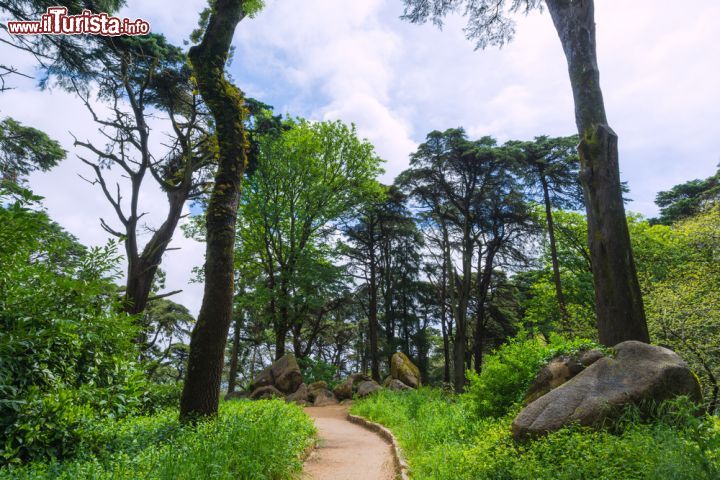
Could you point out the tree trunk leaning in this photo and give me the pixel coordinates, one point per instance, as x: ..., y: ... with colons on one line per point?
x: 619, y: 306
x: 201, y: 392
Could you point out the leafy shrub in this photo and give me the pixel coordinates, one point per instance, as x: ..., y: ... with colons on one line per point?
x: 66, y: 356
x: 317, y: 370
x: 159, y: 396
x: 248, y: 440
x: 508, y: 372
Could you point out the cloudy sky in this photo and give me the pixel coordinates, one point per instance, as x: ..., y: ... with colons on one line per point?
x: 356, y: 61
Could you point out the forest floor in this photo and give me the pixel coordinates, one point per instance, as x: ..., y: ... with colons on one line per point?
x: 346, y: 451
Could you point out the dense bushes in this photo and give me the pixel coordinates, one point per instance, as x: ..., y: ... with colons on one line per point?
x: 318, y: 370
x: 469, y: 437
x: 507, y: 373
x: 249, y: 440
x: 66, y: 356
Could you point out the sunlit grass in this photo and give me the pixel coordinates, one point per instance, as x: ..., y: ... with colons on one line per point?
x: 248, y: 440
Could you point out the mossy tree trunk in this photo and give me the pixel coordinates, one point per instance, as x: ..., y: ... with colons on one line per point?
x: 618, y: 300
x: 201, y: 392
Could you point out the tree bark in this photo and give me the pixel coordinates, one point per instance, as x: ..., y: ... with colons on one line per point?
x: 443, y: 322
x: 619, y: 305
x: 553, y: 254
x: 142, y: 268
x: 232, y: 374
x: 446, y: 333
x: 460, y: 310
x: 280, y: 338
x: 372, y: 314
x: 201, y: 392
x: 483, y: 285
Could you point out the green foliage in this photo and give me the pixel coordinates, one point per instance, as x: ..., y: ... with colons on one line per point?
x: 163, y: 323
x: 317, y: 370
x: 248, y: 440
x: 687, y: 199
x: 66, y: 356
x: 252, y: 7
x: 310, y: 177
x: 443, y: 439
x: 508, y: 372
x: 682, y: 294
x: 489, y: 22
x: 25, y: 149
x: 542, y: 312
x: 551, y: 164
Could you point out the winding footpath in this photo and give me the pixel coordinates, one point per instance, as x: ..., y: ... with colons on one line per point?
x: 346, y: 451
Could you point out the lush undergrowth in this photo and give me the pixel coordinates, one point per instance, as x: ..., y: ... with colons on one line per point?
x: 249, y: 440
x: 445, y: 436
x: 443, y: 439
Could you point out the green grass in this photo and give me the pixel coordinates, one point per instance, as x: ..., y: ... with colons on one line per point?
x: 248, y: 440
x: 443, y: 438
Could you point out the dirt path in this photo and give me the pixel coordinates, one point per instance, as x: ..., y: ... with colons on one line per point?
x: 346, y: 451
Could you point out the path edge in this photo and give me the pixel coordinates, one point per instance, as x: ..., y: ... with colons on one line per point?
x: 401, y: 466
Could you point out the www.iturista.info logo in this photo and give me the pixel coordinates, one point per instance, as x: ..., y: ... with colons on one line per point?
x: 57, y: 22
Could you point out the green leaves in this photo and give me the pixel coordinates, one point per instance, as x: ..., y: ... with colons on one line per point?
x: 66, y: 357
x: 24, y: 150
x: 682, y: 293
x: 310, y: 176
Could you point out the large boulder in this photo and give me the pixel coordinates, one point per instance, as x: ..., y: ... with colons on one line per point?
x: 346, y: 389
x: 639, y: 372
x: 368, y: 387
x: 263, y: 379
x: 558, y: 371
x: 300, y: 396
x: 396, y: 385
x: 316, y: 387
x: 401, y: 368
x: 324, y: 397
x: 267, y: 391
x: 286, y: 373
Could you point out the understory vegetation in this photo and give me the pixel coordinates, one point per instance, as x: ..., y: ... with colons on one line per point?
x: 248, y: 440
x: 446, y: 436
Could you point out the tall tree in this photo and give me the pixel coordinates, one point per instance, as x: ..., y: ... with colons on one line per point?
x: 619, y: 307
x: 504, y: 224
x: 201, y: 391
x: 383, y: 246
x: 307, y: 180
x: 436, y: 268
x: 400, y: 244
x: 136, y: 79
x: 553, y: 171
x: 363, y: 250
x: 446, y: 178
